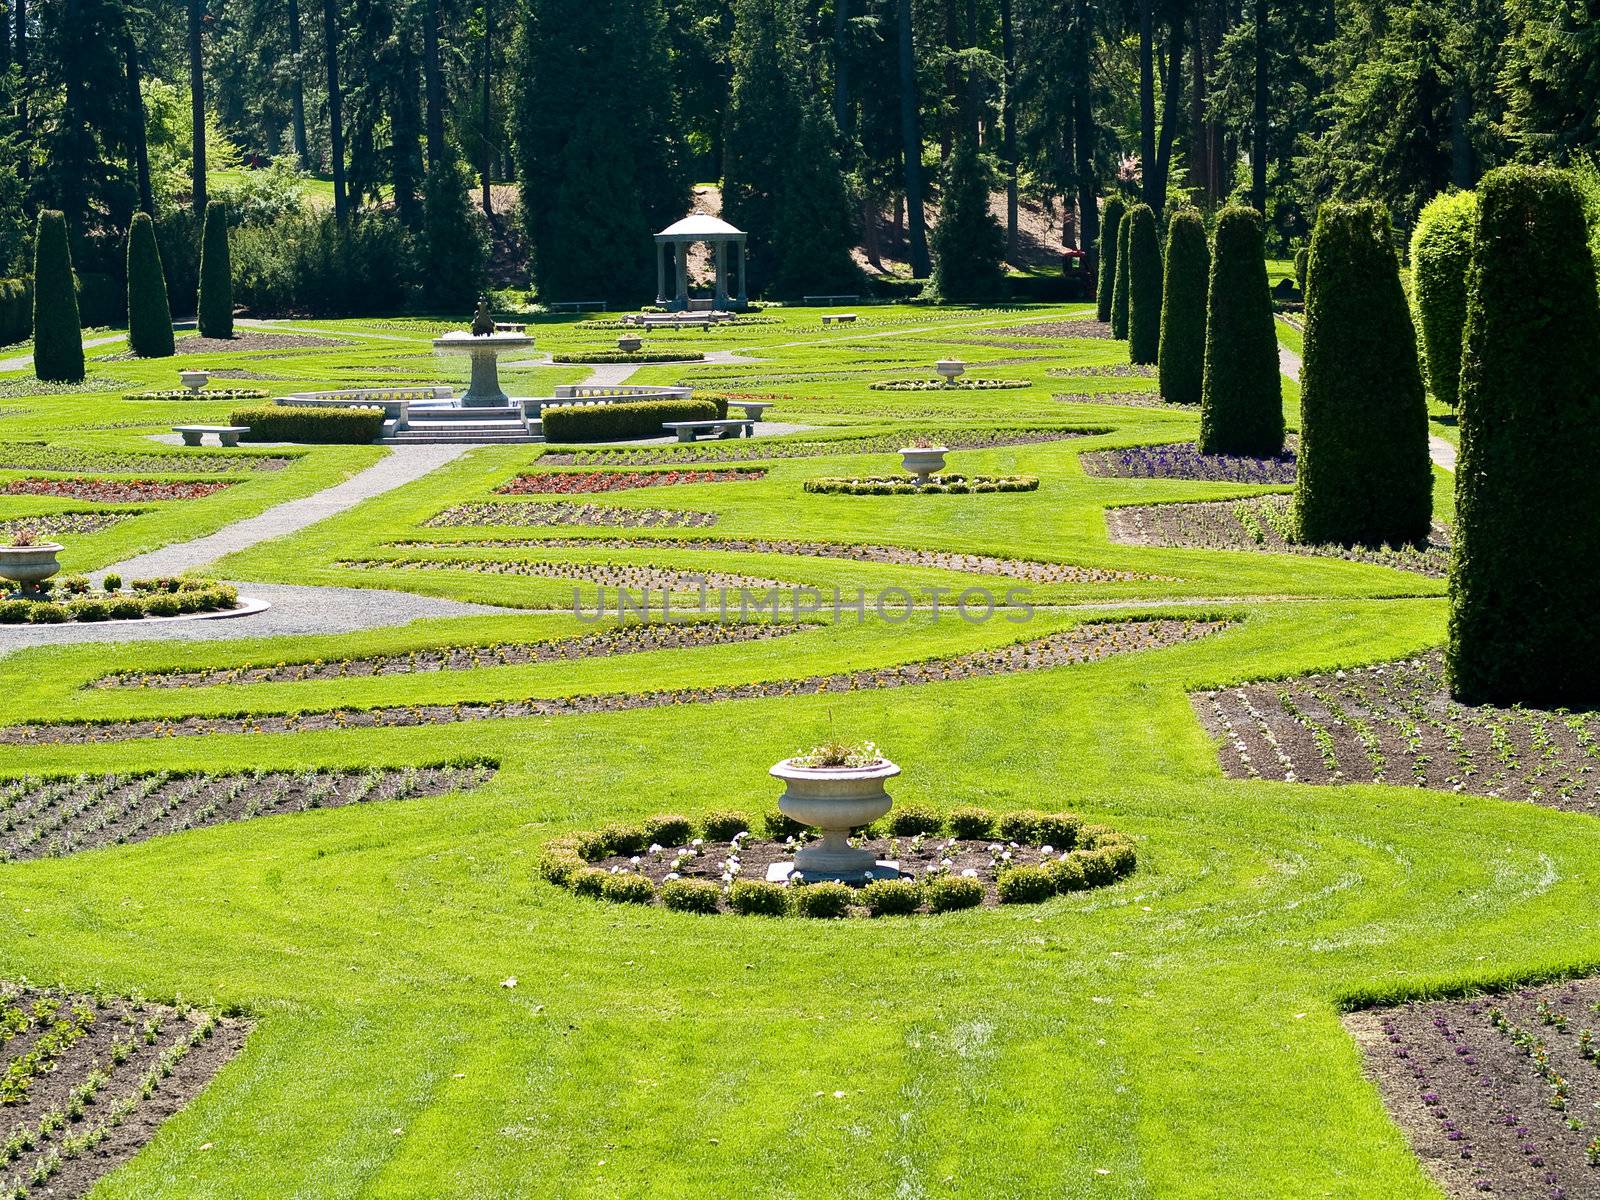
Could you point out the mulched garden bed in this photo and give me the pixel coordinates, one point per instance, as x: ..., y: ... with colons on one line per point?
x: 49, y: 525
x: 1089, y: 642
x: 746, y: 449
x: 627, y: 576
x: 954, y: 385
x: 534, y: 513
x: 1260, y: 523
x: 1106, y: 371
x: 571, y: 483
x: 1059, y: 329
x: 48, y: 818
x: 1183, y: 460
x: 1497, y: 1094
x: 115, y: 491
x: 37, y: 456
x: 11, y: 389
x: 1396, y: 723
x: 249, y: 339
x: 1121, y: 399
x: 215, y: 395
x: 102, y: 1073
x: 935, y: 485
x: 629, y: 639
x: 1032, y: 570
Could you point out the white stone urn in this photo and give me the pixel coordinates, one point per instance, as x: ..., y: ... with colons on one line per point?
x: 950, y: 369
x: 29, y: 566
x: 835, y: 800
x: 923, y: 461
x: 194, y: 380
x: 630, y: 343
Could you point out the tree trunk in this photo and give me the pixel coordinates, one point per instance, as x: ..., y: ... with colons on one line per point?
x: 911, y: 146
x: 1200, y: 173
x: 1085, y: 137
x: 952, y: 83
x: 330, y: 36
x: 1170, y: 117
x: 1258, y: 151
x: 197, y: 105
x: 841, y: 68
x: 869, y: 233
x: 297, y: 90
x: 1147, y: 103
x: 433, y: 75
x: 1008, y: 121
x: 24, y: 130
x: 141, y: 152
x: 1463, y: 168
x: 488, y: 143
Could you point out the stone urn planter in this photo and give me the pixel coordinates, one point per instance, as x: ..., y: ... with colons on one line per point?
x: 194, y: 380
x: 836, y: 800
x: 923, y: 461
x: 630, y: 344
x: 950, y: 369
x: 29, y: 566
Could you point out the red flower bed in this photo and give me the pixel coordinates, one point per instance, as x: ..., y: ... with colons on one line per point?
x: 570, y: 483
x: 114, y: 491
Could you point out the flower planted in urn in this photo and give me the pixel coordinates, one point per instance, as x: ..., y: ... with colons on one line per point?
x: 28, y: 562
x: 923, y: 458
x: 835, y: 788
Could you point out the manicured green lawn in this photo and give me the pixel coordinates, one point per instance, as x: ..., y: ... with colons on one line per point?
x: 1175, y: 1035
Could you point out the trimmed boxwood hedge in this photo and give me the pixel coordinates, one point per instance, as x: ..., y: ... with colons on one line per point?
x: 1110, y: 227
x: 149, y: 316
x: 1364, y: 476
x: 1144, y: 286
x: 609, y: 422
x: 1441, y: 257
x: 1524, y: 590
x: 215, y: 302
x: 1119, y: 296
x: 624, y: 356
x: 1241, y: 403
x: 312, y: 426
x: 58, y: 335
x: 1183, y: 312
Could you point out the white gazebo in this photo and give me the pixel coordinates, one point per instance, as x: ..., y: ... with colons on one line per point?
x: 698, y: 227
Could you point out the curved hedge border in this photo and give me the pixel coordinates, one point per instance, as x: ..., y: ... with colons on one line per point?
x: 186, y: 394
x: 1080, y: 856
x: 625, y: 356
x: 149, y: 598
x: 939, y: 385
x: 938, y: 485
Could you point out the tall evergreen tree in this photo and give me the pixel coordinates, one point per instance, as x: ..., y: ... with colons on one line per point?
x: 1120, y: 306
x: 814, y: 214
x: 1144, y: 286
x: 57, y: 335
x: 455, y: 242
x: 968, y: 243
x: 214, y: 305
x: 1110, y: 232
x: 1241, y: 404
x: 1183, y: 308
x: 1441, y: 261
x: 149, y: 316
x: 598, y: 250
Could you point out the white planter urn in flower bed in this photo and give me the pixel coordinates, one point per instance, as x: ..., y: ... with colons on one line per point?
x: 29, y: 564
x: 835, y: 799
x: 950, y: 369
x: 194, y: 380
x: 923, y: 461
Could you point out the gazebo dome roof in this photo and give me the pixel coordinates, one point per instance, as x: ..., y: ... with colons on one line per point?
x: 700, y: 225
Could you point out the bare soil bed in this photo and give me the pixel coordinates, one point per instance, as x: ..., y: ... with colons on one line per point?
x: 1058, y: 329
x: 115, y: 491
x: 1089, y: 642
x: 628, y: 576
x: 1183, y: 460
x: 534, y: 513
x: 102, y: 1073
x: 1396, y: 723
x: 1105, y: 371
x: 48, y: 818
x: 1123, y: 399
x: 1497, y: 1094
x: 746, y: 449
x: 49, y: 525
x: 37, y: 456
x: 567, y: 483
x: 1260, y: 523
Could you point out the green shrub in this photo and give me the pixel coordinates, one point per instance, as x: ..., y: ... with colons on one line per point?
x: 149, y: 315
x: 558, y: 861
x: 111, y: 583
x: 454, y: 247
x: 73, y: 585
x: 825, y: 901
x: 892, y: 897
x: 1099, y: 866
x: 1025, y: 885
x: 612, y: 422
x: 311, y: 426
x: 46, y: 613
x: 1067, y: 875
x: 1144, y: 286
x: 691, y: 895
x: 16, y: 310
x: 14, y: 612
x: 777, y: 825
x: 304, y: 264
x: 1441, y: 261
x: 622, y: 838
x: 1021, y: 826
x: 1183, y: 311
x: 627, y: 888
x: 1524, y: 589
x: 126, y: 608
x: 89, y: 610
x: 628, y: 356
x: 1302, y: 260
x: 667, y: 829
x: 1110, y: 228
x: 908, y: 820
x: 589, y: 881
x: 215, y: 303
x: 57, y: 334
x: 1057, y: 830
x: 723, y: 826
x: 1241, y: 403
x: 1120, y: 300
x: 950, y: 892
x: 162, y: 604
x: 967, y: 823
x: 593, y: 845
x: 751, y: 897
x: 1364, y: 476
x: 968, y: 244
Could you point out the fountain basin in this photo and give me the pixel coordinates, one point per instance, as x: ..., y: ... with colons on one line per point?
x: 484, y: 391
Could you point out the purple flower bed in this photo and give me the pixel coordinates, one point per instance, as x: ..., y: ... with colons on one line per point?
x: 1183, y: 460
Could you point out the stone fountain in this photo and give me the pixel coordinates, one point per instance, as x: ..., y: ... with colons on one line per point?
x: 485, y: 342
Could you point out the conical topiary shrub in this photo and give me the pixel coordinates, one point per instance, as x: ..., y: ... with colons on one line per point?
x: 1110, y: 229
x: 215, y: 304
x: 1183, y: 308
x: 1524, y: 586
x: 1364, y: 476
x: 1241, y: 402
x: 1144, y: 286
x: 57, y: 335
x: 1441, y: 255
x: 149, y: 317
x: 1119, y: 296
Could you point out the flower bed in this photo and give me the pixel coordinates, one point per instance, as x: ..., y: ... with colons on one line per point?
x: 954, y: 385
x: 49, y: 525
x: 777, y: 448
x: 1106, y: 371
x: 211, y: 394
x: 72, y: 599
x: 1090, y: 641
x: 628, y: 356
x: 1497, y: 1094
x: 88, y: 1079
x: 1260, y: 523
x: 970, y: 859
x: 1089, y: 328
x: 573, y: 483
x: 1396, y: 723
x: 115, y: 491
x: 937, y: 485
x: 1121, y: 399
x: 50, y: 817
x: 1183, y: 460
x: 36, y: 456
x: 630, y: 576
x: 533, y: 513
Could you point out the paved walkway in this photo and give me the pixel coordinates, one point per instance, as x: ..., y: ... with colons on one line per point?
x: 1441, y: 451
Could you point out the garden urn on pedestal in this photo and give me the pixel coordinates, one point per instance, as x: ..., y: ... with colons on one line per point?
x: 29, y: 565
x: 194, y: 380
x: 836, y: 800
x: 923, y: 461
x: 630, y: 343
x: 950, y: 370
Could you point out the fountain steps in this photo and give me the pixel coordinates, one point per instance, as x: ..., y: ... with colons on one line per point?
x: 465, y: 426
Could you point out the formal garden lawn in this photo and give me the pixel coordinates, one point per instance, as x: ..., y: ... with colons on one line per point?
x: 432, y: 1018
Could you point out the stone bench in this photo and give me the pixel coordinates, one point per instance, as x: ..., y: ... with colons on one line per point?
x: 839, y: 319
x: 817, y: 301
x: 752, y: 408
x: 688, y: 431
x: 227, y: 435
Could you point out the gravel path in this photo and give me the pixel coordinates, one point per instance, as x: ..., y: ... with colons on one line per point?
x: 20, y: 361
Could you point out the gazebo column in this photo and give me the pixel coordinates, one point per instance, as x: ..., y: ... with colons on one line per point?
x: 722, y: 273
x: 680, y: 249
x: 744, y: 299
x: 661, y: 274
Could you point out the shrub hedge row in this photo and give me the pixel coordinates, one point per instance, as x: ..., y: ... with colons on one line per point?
x: 119, y: 606
x: 313, y: 426
x: 625, y: 356
x: 609, y: 422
